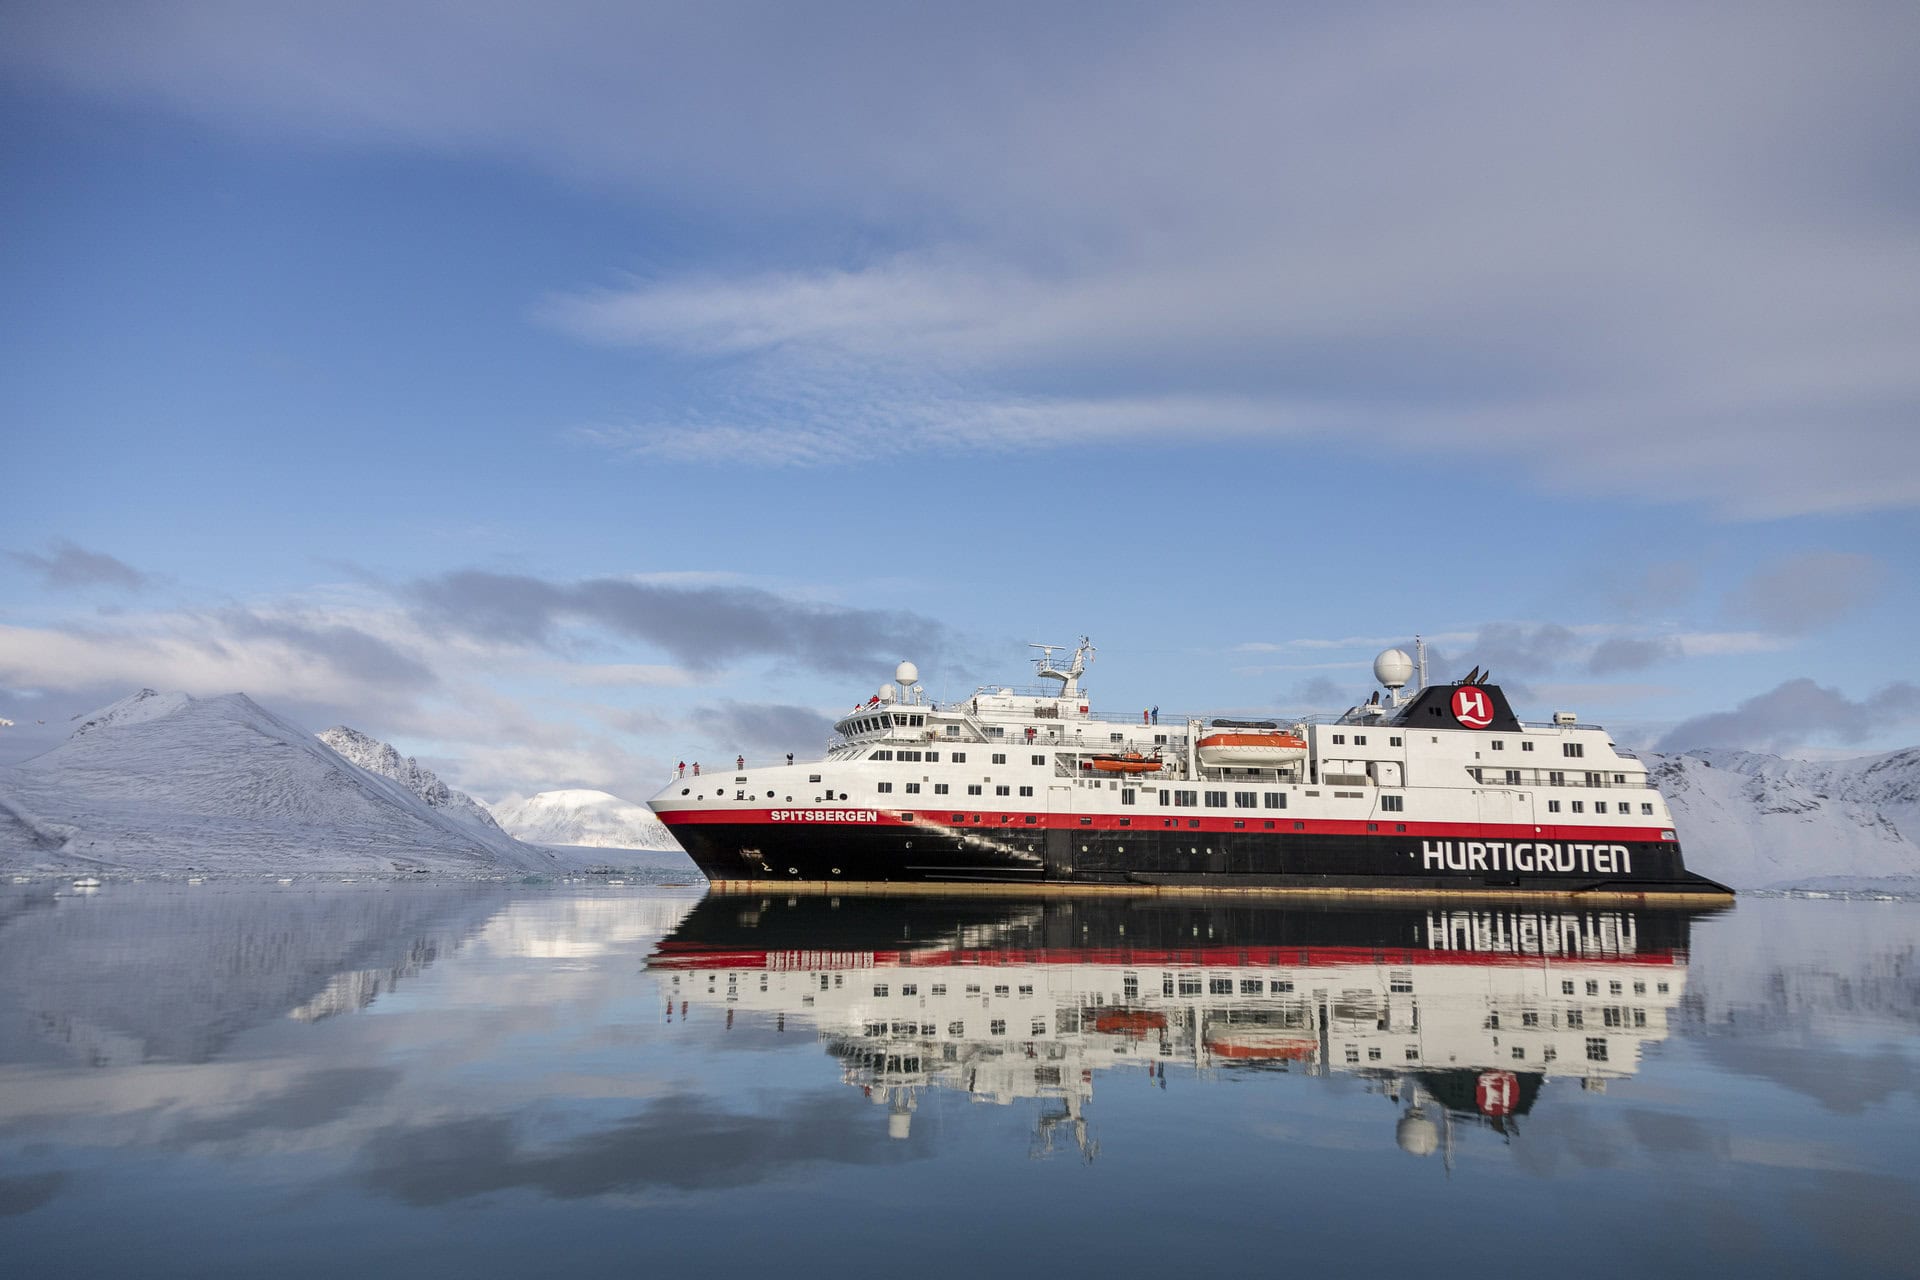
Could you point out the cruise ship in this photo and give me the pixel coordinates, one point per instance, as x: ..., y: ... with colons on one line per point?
x: 1457, y: 1012
x: 1433, y: 788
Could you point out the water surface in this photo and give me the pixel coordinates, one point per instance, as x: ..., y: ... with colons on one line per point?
x: 228, y: 1079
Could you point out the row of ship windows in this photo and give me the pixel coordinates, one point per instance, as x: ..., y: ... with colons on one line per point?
x: 1192, y: 984
x: 1600, y: 806
x: 1596, y: 1052
x: 1571, y: 750
x: 933, y: 757
x: 904, y: 719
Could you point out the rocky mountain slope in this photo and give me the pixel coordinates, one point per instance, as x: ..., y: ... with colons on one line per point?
x: 164, y: 781
x: 1759, y: 821
x: 378, y: 757
x: 580, y: 817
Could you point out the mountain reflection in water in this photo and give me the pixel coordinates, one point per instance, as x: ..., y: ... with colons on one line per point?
x: 421, y: 1079
x: 1453, y: 1013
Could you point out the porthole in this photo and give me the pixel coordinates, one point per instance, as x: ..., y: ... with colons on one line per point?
x: 793, y: 871
x: 836, y: 871
x: 686, y: 791
x: 1083, y: 848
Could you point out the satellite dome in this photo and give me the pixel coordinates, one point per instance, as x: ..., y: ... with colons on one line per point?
x: 886, y: 693
x: 906, y: 673
x: 1393, y: 668
x: 1417, y: 1135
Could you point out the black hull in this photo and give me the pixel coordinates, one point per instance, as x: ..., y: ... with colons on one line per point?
x: 1144, y: 858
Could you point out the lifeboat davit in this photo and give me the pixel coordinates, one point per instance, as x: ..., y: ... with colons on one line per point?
x: 1261, y: 750
x: 1131, y: 762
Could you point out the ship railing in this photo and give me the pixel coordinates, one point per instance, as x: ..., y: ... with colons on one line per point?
x: 1495, y: 776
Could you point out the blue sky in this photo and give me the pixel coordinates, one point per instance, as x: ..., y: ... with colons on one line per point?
x: 559, y: 394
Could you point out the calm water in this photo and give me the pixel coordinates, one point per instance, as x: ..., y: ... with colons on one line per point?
x: 222, y: 1079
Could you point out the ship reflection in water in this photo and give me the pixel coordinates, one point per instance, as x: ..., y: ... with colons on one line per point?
x: 1453, y: 1015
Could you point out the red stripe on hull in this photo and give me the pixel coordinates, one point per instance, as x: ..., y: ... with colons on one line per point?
x: 997, y: 821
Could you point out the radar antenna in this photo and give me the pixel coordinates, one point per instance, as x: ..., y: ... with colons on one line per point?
x: 1070, y: 678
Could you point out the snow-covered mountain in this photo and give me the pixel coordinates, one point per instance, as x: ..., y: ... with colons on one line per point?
x: 164, y: 781
x: 378, y: 757
x: 592, y: 818
x: 1759, y: 821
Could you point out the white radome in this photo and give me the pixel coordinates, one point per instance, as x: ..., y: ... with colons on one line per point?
x: 887, y: 693
x: 1417, y: 1135
x: 1393, y: 668
x: 906, y: 673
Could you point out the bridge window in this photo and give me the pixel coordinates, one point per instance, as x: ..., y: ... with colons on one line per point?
x: 1573, y: 750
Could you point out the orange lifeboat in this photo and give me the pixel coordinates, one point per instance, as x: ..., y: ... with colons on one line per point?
x: 1128, y: 1022
x: 1261, y: 749
x: 1131, y: 762
x: 1269, y: 1046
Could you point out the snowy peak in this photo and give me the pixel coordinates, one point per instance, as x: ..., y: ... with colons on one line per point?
x: 135, y: 708
x: 595, y: 819
x: 380, y: 758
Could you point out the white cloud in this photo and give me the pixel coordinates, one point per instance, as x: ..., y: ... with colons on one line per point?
x: 1655, y: 253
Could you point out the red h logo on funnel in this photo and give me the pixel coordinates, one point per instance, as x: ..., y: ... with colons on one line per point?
x: 1472, y: 707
